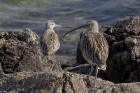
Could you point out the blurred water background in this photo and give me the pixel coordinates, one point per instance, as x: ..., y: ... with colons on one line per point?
x: 19, y: 14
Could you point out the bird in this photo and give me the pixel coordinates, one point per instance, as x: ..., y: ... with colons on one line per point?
x: 94, y: 46
x: 49, y: 40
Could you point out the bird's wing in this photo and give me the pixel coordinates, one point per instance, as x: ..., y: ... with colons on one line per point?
x: 94, y: 46
x: 102, y: 48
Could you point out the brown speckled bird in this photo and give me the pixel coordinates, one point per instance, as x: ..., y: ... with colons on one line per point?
x: 94, y: 46
x: 49, y: 40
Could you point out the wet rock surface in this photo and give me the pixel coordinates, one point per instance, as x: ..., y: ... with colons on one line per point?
x: 24, y: 69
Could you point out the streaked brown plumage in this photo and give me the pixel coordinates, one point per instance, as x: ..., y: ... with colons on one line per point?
x: 93, y: 46
x: 49, y: 40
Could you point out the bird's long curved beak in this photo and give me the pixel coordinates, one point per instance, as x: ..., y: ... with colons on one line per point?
x: 62, y: 26
x: 75, y: 29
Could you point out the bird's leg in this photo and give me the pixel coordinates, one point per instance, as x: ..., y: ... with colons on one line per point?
x: 96, y: 73
x: 91, y: 69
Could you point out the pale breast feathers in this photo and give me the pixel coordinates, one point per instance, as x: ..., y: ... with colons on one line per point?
x: 49, y: 41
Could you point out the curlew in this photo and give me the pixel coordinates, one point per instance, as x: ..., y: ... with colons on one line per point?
x: 49, y: 40
x: 93, y: 45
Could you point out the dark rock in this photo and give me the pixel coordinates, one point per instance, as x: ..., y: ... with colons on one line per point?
x: 1, y: 69
x: 124, y: 47
x: 20, y: 51
x: 134, y: 76
x: 79, y: 57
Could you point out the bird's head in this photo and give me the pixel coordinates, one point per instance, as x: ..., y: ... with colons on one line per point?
x: 91, y: 25
x: 51, y: 24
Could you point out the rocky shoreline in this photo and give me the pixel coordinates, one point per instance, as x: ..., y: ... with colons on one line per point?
x: 24, y: 69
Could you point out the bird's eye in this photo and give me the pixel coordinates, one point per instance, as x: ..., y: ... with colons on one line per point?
x: 52, y: 24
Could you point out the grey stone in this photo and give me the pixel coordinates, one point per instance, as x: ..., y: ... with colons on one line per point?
x: 58, y: 82
x: 124, y: 45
